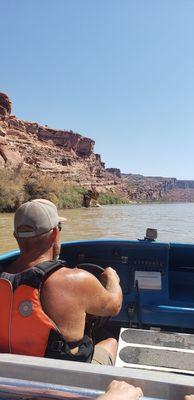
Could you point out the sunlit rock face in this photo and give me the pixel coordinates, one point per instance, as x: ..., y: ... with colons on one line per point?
x: 28, y: 145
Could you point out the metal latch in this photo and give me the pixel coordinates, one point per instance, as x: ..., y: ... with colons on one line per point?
x: 124, y: 259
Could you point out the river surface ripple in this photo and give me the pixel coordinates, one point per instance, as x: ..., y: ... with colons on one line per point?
x: 174, y: 221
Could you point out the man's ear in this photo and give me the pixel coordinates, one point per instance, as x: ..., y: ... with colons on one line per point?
x: 54, y: 234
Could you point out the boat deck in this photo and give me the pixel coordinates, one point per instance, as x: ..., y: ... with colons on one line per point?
x: 155, y: 350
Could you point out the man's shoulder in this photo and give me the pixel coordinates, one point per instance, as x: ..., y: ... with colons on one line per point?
x: 65, y: 275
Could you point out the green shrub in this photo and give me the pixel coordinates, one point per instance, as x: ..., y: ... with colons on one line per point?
x: 70, y: 197
x: 109, y: 198
x: 11, y: 191
x: 42, y: 187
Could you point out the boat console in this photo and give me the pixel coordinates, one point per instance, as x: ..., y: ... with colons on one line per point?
x: 157, y: 279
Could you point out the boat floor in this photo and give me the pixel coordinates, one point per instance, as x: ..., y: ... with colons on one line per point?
x: 155, y: 350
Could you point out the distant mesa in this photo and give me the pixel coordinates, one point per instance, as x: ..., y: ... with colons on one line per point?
x: 153, y: 188
x: 114, y: 171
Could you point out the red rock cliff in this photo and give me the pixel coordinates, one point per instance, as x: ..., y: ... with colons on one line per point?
x: 28, y: 145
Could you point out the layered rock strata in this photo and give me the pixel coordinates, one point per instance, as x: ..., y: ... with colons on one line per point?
x: 63, y: 153
x: 146, y: 188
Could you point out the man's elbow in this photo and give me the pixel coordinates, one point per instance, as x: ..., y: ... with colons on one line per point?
x: 115, y: 308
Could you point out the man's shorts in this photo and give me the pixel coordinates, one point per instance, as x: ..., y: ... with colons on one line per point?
x: 102, y: 356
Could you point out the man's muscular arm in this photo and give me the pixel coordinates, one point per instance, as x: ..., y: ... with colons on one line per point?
x: 100, y: 300
x: 69, y: 294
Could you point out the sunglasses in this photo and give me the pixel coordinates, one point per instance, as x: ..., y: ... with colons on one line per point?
x: 59, y: 226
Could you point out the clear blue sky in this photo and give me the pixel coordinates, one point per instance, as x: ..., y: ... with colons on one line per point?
x: 118, y: 71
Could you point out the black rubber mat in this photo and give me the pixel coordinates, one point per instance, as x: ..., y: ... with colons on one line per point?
x: 157, y: 357
x: 154, y: 338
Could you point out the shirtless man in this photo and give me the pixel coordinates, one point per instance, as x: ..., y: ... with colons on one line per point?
x: 50, y: 301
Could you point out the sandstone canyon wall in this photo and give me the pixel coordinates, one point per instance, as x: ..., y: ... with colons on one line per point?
x: 28, y: 146
x: 149, y: 188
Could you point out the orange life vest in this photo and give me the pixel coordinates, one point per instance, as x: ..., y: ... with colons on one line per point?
x: 24, y: 327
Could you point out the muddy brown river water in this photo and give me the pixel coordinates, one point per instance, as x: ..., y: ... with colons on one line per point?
x: 175, y: 223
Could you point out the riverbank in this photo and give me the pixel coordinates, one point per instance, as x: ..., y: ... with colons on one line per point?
x: 17, y: 187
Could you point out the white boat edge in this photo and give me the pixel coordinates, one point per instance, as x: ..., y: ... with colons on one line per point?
x: 90, y: 377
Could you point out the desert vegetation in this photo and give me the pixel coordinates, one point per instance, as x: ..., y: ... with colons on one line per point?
x: 17, y: 187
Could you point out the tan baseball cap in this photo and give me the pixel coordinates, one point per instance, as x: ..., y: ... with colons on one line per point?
x: 35, y: 218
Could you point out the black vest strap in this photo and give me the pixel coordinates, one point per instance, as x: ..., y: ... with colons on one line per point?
x: 58, y: 348
x: 50, y: 266
x: 33, y: 276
